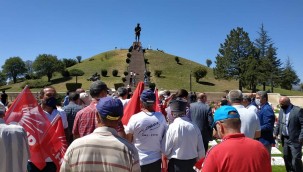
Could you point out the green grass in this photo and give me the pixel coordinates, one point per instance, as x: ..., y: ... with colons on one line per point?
x: 174, y: 76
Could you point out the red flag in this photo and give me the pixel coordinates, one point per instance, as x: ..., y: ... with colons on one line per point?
x: 157, y: 104
x: 133, y: 106
x: 30, y: 116
x: 54, y: 142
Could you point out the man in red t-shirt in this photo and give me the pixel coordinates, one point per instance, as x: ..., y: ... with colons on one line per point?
x: 236, y: 152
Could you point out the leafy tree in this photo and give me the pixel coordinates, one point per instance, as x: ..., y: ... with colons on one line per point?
x: 289, y: 76
x: 79, y: 58
x: 232, y: 55
x: 199, y: 72
x: 250, y: 77
x: 2, y: 79
x: 29, y: 68
x: 47, y: 64
x: 14, y: 67
x: 69, y: 62
x: 269, y: 66
x: 76, y: 73
x: 208, y: 62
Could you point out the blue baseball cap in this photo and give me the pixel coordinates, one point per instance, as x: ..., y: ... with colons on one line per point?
x: 148, y: 96
x: 225, y: 112
x: 110, y: 108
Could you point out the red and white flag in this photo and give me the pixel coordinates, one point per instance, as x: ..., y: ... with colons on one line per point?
x: 54, y: 142
x: 133, y: 106
x: 26, y: 111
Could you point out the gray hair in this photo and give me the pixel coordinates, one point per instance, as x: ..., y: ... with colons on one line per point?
x: 262, y: 94
x: 235, y: 96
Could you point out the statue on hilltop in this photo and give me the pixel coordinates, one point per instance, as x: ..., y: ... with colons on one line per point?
x: 137, y: 32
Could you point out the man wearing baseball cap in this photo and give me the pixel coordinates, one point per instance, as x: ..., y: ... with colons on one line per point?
x: 236, y: 152
x: 104, y: 149
x: 182, y: 143
x: 146, y: 130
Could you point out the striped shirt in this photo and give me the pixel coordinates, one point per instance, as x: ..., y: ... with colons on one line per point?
x: 14, y: 150
x: 103, y: 150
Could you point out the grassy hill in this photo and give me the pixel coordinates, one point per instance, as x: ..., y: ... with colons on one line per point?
x: 174, y: 75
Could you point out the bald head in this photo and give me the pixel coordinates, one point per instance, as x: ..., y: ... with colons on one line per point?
x: 284, y: 100
x: 202, y: 97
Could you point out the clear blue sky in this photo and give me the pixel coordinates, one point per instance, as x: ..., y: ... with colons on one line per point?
x: 192, y: 29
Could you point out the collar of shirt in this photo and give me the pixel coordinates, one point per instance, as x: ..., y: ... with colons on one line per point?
x: 105, y: 131
x: 236, y: 135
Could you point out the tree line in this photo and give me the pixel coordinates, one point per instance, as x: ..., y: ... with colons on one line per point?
x: 43, y: 65
x: 253, y: 63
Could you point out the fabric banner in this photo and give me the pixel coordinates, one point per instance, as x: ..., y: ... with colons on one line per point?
x: 133, y: 106
x: 54, y: 142
x: 44, y: 138
x: 25, y: 111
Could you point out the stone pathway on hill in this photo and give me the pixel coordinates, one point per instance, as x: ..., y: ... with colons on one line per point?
x: 136, y: 65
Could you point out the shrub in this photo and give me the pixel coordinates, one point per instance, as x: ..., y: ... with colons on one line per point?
x: 158, y: 73
x: 148, y: 73
x: 76, y: 73
x: 115, y: 72
x: 125, y: 73
x: 65, y: 73
x: 146, y: 61
x: 104, y: 72
x: 73, y: 86
x: 177, y: 59
x: 35, y: 83
x: 123, y: 79
x: 199, y: 72
x: 129, y: 55
x: 130, y: 49
x: 69, y: 62
x: 127, y: 60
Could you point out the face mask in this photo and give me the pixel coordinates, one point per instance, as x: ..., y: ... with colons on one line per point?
x: 257, y: 101
x: 284, y: 107
x: 51, y: 102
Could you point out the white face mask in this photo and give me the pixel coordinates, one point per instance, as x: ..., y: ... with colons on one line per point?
x: 257, y: 101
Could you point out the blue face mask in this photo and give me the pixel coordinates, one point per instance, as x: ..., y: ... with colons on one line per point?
x: 51, y: 102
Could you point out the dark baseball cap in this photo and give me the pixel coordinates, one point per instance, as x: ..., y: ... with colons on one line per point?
x: 148, y: 96
x: 110, y: 108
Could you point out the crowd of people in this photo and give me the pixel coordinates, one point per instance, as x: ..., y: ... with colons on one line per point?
x: 170, y: 133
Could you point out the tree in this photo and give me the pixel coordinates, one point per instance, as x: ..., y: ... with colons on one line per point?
x: 289, y: 76
x: 76, y: 73
x: 14, y: 67
x: 2, y: 79
x: 199, y: 72
x: 79, y: 59
x: 69, y: 62
x: 47, y: 64
x: 29, y: 67
x: 232, y: 55
x: 208, y: 62
x: 269, y: 65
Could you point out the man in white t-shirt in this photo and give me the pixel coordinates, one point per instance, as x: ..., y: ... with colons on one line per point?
x: 146, y: 130
x: 250, y: 124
